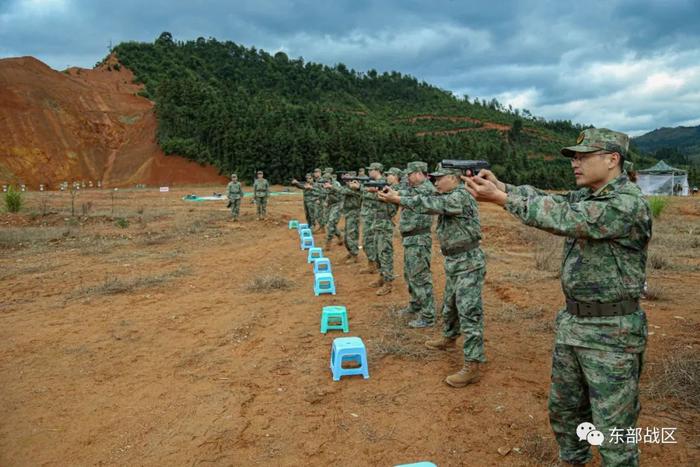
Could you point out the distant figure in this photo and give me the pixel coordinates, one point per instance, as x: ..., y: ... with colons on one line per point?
x: 261, y: 190
x: 235, y: 193
x: 695, y: 190
x: 677, y: 189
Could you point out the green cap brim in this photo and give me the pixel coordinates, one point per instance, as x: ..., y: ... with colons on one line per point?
x: 571, y: 150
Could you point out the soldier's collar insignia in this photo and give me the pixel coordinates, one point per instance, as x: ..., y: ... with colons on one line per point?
x: 579, y: 140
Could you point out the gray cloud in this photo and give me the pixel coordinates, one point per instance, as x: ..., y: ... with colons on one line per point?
x: 630, y: 65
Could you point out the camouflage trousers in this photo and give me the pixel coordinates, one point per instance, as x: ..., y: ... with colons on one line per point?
x: 596, y: 386
x: 416, y: 272
x: 383, y: 232
x: 368, y: 242
x: 332, y: 229
x: 309, y: 212
x: 235, y: 207
x: 352, y: 231
x: 462, y: 312
x: 323, y: 212
x: 261, y: 202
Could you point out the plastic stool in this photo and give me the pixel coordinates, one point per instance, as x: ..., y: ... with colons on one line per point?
x: 293, y: 224
x: 314, y: 253
x: 301, y: 227
x: 307, y: 242
x: 334, y: 317
x: 322, y: 265
x: 305, y: 233
x: 324, y: 283
x: 348, y: 349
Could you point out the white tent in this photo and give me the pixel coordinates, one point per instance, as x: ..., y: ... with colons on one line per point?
x: 662, y: 179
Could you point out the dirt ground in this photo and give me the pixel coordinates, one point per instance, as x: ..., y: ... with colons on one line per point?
x: 135, y: 333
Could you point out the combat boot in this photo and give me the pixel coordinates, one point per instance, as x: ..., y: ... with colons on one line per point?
x: 467, y: 375
x: 385, y: 290
x: 370, y: 269
x: 378, y: 283
x: 441, y: 343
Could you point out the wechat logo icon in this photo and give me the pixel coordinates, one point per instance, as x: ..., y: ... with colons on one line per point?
x: 586, y: 431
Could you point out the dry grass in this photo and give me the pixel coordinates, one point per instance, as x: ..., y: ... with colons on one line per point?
x: 268, y: 283
x: 547, y: 248
x: 115, y: 285
x: 17, y: 237
x: 541, y: 449
x: 677, y: 376
x: 396, y: 339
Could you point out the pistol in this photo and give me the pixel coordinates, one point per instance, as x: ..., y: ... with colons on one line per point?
x: 464, y: 165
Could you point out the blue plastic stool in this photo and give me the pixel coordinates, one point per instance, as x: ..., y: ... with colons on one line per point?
x: 418, y: 464
x: 324, y: 283
x: 334, y: 317
x: 307, y: 242
x: 346, y: 349
x: 314, y: 254
x: 322, y: 265
x: 301, y: 227
x: 293, y: 224
x: 305, y: 233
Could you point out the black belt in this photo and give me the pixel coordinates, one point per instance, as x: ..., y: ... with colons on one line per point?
x: 455, y: 250
x: 413, y: 233
x: 594, y: 310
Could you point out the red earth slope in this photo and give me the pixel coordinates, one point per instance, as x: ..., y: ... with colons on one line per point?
x: 82, y: 125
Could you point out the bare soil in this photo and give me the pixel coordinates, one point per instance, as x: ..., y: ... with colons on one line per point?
x: 146, y: 344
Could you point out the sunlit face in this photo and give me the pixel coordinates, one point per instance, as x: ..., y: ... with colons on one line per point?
x: 375, y: 174
x: 416, y: 178
x: 233, y: 178
x: 260, y: 175
x: 594, y: 169
x: 317, y: 174
x: 446, y: 183
x: 392, y: 179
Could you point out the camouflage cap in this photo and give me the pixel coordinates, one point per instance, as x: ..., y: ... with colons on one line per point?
x: 309, y: 175
x: 416, y: 166
x: 234, y: 175
x: 599, y: 139
x: 441, y: 171
x: 375, y: 166
x: 260, y: 172
x: 317, y: 169
x: 328, y: 170
x: 394, y: 171
x: 351, y: 173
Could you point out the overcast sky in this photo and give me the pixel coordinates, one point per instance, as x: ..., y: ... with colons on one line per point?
x: 627, y: 65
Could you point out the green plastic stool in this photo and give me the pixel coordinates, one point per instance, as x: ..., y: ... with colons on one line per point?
x: 334, y: 317
x: 293, y: 224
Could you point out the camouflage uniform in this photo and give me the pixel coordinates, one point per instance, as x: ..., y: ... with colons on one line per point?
x: 459, y: 232
x: 317, y: 195
x: 597, y: 360
x: 370, y: 203
x: 261, y: 189
x: 235, y: 193
x: 351, y: 211
x: 334, y: 201
x: 383, y: 232
x: 415, y: 228
x: 324, y: 208
x: 309, y: 201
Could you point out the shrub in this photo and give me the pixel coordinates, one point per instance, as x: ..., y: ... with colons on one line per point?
x: 13, y: 199
x: 657, y: 205
x: 122, y: 223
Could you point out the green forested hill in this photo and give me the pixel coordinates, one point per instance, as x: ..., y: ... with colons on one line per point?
x: 685, y: 140
x: 242, y: 109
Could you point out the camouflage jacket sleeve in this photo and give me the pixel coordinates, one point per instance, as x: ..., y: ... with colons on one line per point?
x: 531, y: 191
x: 444, y: 204
x: 604, y: 216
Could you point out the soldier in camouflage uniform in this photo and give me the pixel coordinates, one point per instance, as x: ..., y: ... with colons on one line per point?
x: 383, y: 228
x: 601, y: 333
x: 351, y: 212
x: 459, y: 232
x: 369, y: 204
x: 317, y: 194
x: 327, y: 172
x: 309, y: 199
x: 261, y: 191
x: 415, y: 228
x: 334, y: 200
x: 235, y: 193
